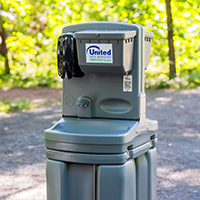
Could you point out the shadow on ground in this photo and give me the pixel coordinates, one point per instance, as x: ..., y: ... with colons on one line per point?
x: 178, y: 115
x: 22, y: 152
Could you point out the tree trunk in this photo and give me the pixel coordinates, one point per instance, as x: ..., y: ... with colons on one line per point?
x: 3, y: 47
x: 7, y: 67
x: 172, y: 63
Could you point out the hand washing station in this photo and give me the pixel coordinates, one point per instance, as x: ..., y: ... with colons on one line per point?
x: 103, y: 147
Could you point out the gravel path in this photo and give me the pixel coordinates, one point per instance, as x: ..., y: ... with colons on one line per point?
x: 22, y: 152
x: 178, y: 115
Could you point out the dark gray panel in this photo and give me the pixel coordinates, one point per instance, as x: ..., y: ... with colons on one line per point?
x: 57, y: 174
x: 142, y: 177
x: 116, y: 182
x: 152, y: 166
x: 81, y: 182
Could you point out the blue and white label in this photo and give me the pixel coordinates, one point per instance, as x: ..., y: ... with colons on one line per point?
x: 99, y: 53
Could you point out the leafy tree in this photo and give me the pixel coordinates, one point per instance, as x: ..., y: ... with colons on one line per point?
x: 3, y: 46
x: 28, y: 39
x: 31, y: 29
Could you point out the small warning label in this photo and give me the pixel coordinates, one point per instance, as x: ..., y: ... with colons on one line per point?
x: 127, y: 83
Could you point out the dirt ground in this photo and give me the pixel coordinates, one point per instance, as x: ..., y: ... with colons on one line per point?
x: 37, y: 96
x: 22, y: 151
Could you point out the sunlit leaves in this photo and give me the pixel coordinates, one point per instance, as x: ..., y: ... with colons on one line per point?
x: 34, y: 26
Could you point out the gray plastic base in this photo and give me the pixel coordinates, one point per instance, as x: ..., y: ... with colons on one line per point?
x: 133, y: 180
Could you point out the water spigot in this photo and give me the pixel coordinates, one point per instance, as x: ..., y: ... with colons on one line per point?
x: 84, y: 104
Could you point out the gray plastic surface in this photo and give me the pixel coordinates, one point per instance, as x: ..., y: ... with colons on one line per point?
x: 142, y: 177
x: 97, y: 135
x: 105, y: 34
x: 122, y: 48
x: 57, y: 176
x: 103, y: 148
x: 106, y: 90
x: 67, y: 181
x: 116, y: 182
x: 92, y: 131
x: 146, y: 165
x: 87, y: 158
x: 133, y: 180
x: 81, y: 182
x: 152, y: 167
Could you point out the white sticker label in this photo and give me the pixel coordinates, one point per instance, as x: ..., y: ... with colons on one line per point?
x: 127, y: 83
x: 99, y: 53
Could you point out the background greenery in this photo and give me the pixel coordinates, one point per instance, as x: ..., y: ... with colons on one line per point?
x: 32, y: 27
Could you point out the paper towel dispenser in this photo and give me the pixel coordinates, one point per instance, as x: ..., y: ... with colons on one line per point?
x: 67, y: 57
x: 105, y: 51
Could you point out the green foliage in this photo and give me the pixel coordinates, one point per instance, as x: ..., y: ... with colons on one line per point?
x: 33, y: 28
x: 184, y: 79
x: 27, y: 80
x: 7, y: 106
